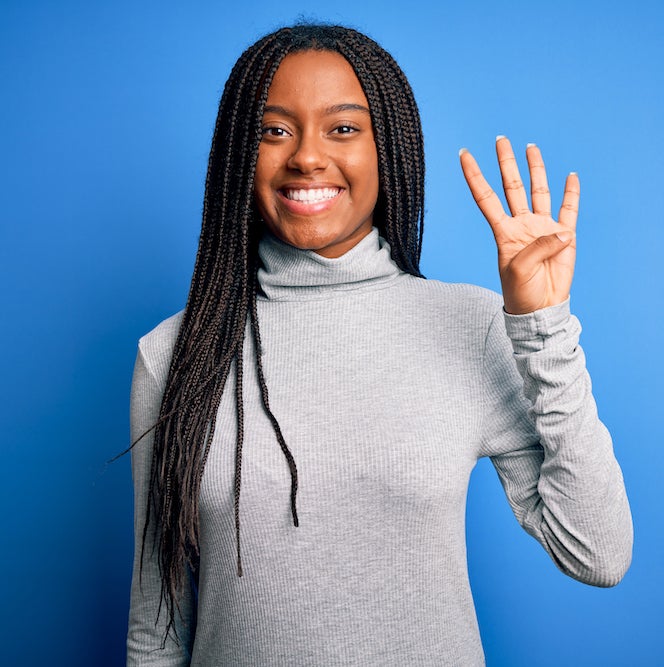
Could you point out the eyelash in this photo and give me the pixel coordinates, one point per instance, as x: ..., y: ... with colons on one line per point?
x: 268, y: 131
x: 348, y: 129
x: 278, y: 132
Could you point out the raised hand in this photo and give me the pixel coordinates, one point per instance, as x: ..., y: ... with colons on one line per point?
x: 535, y: 253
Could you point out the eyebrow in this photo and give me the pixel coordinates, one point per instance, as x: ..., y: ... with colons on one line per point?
x: 335, y: 108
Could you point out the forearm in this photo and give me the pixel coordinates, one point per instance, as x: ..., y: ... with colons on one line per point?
x: 570, y: 494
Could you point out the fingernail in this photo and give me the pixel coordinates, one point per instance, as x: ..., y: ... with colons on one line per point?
x: 462, y: 151
x: 564, y: 237
x: 573, y: 173
x: 500, y: 136
x: 530, y: 145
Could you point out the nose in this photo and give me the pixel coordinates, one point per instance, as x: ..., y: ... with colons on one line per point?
x: 309, y: 154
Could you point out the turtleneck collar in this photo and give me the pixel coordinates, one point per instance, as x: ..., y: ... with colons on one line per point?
x: 291, y: 274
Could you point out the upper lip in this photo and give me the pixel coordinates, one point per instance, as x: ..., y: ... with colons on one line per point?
x: 310, y: 185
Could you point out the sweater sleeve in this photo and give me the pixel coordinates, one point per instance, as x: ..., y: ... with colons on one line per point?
x: 147, y: 615
x: 553, y: 455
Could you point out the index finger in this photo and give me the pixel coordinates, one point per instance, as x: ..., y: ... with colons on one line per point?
x: 485, y: 198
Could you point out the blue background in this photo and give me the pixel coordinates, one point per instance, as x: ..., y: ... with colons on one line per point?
x: 105, y: 123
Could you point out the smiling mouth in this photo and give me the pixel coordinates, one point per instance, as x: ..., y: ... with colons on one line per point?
x: 311, y: 195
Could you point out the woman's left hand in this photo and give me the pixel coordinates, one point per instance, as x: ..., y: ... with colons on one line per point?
x: 535, y: 253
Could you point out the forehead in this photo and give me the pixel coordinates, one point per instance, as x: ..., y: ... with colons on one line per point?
x: 315, y: 76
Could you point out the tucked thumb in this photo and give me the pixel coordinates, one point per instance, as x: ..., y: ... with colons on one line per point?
x: 564, y: 237
x: 540, y: 249
x: 548, y: 246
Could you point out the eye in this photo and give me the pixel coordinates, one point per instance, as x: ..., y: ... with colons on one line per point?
x: 274, y: 132
x: 344, y: 129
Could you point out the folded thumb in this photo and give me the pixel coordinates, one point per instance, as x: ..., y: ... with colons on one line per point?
x: 548, y: 246
x: 542, y: 248
x: 564, y: 237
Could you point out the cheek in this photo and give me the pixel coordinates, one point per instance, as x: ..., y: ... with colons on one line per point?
x: 364, y: 171
x: 262, y: 189
x: 370, y: 169
x: 261, y: 202
x: 261, y: 167
x: 371, y: 179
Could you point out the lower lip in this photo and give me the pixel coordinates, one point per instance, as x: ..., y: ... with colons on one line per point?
x: 309, y: 208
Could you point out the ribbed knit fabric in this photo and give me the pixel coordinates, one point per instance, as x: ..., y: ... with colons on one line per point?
x: 388, y: 388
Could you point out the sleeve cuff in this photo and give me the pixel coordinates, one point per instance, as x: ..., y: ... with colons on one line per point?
x: 536, y: 331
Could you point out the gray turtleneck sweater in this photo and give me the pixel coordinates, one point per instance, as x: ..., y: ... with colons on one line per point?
x: 388, y: 388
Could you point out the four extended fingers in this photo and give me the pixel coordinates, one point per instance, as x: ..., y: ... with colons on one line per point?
x: 515, y: 193
x: 527, y: 240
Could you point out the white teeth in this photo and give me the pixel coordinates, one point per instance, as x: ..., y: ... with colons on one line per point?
x: 311, y: 195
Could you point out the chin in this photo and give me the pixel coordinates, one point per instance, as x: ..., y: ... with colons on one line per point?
x: 325, y: 239
x: 305, y: 237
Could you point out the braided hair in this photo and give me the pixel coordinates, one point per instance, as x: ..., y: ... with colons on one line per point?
x: 224, y: 285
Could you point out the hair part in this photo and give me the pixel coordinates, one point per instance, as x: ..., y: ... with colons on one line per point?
x: 224, y: 286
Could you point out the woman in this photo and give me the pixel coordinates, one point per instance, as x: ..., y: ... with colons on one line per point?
x: 319, y: 406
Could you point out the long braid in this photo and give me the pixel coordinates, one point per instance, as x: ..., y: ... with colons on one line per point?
x: 238, y: 457
x: 224, y: 285
x: 398, y: 133
x: 273, y: 419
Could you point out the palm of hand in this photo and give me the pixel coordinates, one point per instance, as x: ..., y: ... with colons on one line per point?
x: 536, y: 254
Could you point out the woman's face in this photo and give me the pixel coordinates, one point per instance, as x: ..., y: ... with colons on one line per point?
x: 316, y: 180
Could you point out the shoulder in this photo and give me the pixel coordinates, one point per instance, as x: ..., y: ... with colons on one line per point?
x: 462, y: 292
x: 156, y: 347
x: 461, y: 302
x: 452, y: 319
